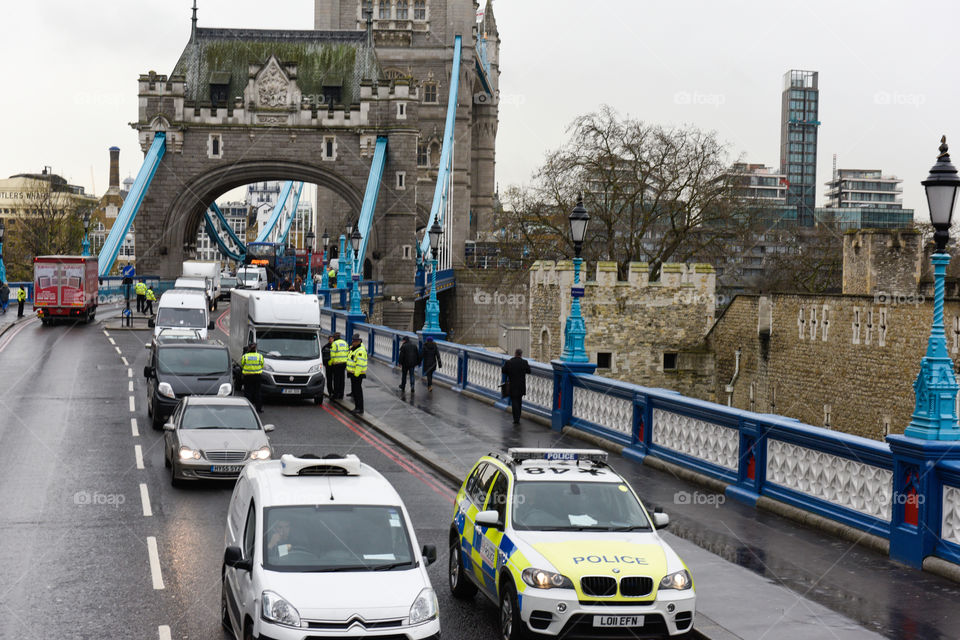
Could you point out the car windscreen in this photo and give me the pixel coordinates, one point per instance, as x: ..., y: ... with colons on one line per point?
x: 186, y: 361
x: 330, y: 538
x: 576, y: 506
x: 284, y: 344
x: 181, y: 317
x: 223, y: 416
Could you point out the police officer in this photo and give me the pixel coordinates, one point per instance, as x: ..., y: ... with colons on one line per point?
x: 338, y: 361
x: 21, y: 298
x: 357, y: 370
x: 141, y: 290
x: 332, y: 278
x: 251, y: 366
x: 151, y: 298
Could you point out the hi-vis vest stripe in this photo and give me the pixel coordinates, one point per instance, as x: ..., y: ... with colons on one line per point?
x: 357, y: 361
x: 338, y: 352
x: 251, y: 364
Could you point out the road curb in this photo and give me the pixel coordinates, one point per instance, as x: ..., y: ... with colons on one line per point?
x: 11, y: 325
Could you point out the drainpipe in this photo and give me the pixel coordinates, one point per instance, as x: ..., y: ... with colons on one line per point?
x: 733, y: 380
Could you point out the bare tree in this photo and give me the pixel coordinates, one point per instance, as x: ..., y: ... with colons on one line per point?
x: 50, y: 222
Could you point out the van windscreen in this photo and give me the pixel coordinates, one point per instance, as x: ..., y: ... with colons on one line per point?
x: 181, y: 317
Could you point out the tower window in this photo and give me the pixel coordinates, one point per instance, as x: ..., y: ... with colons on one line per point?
x: 422, y: 159
x: 329, y: 147
x: 403, y: 9
x: 402, y: 110
x: 401, y: 180
x: 419, y: 9
x: 430, y: 92
x: 669, y: 362
x: 604, y: 359
x: 214, y: 146
x: 384, y: 9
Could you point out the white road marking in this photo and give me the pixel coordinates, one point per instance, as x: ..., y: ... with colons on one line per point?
x: 130, y: 386
x: 133, y: 427
x: 133, y: 406
x: 105, y: 333
x: 139, y: 453
x: 164, y: 632
x: 125, y: 362
x: 118, y: 351
x: 145, y: 499
x: 112, y: 342
x: 154, y: 563
x: 129, y: 373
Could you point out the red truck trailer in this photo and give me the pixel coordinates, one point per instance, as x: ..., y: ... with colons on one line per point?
x: 65, y: 288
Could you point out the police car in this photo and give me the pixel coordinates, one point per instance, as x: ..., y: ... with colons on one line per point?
x: 323, y: 548
x: 563, y: 545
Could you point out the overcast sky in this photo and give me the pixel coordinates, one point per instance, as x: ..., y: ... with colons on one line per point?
x: 889, y: 75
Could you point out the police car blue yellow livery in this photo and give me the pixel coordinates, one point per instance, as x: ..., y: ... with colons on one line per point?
x: 564, y: 546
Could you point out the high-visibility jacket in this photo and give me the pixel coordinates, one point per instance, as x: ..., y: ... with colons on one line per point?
x: 21, y: 294
x: 338, y: 351
x: 141, y: 288
x: 357, y: 361
x: 151, y: 296
x: 251, y: 364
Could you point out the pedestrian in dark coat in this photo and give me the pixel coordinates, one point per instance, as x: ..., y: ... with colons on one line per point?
x: 327, y: 365
x: 516, y: 369
x: 430, y: 357
x: 409, y: 358
x: 4, y: 297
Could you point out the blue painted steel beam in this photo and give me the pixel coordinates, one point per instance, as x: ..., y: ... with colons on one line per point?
x: 226, y: 226
x: 111, y: 246
x: 441, y: 193
x: 370, y: 196
x: 213, y: 235
x: 277, y: 211
x: 293, y: 214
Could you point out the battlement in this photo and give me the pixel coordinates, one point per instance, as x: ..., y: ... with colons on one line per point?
x: 697, y: 278
x: 159, y: 85
x: 876, y: 260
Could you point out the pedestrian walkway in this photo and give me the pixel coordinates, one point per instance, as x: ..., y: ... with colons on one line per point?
x: 758, y: 575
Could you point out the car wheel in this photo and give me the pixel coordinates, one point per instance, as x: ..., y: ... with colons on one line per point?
x: 460, y: 585
x: 155, y: 421
x: 248, y: 630
x: 224, y: 614
x: 511, y: 626
x: 166, y: 458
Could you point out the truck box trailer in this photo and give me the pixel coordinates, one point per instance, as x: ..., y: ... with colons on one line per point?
x: 65, y: 288
x: 205, y: 269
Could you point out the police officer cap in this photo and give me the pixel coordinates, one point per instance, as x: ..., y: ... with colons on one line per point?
x: 357, y: 339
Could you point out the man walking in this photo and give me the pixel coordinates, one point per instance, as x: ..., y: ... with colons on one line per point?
x: 430, y: 357
x: 357, y: 370
x: 338, y: 358
x: 4, y: 297
x: 251, y: 366
x: 141, y: 291
x: 151, y: 298
x: 325, y: 355
x: 409, y: 358
x: 21, y: 298
x: 516, y: 369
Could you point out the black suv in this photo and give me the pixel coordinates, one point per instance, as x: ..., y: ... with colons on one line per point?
x: 181, y: 368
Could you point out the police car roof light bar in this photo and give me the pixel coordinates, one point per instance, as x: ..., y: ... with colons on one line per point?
x: 293, y: 466
x: 519, y: 454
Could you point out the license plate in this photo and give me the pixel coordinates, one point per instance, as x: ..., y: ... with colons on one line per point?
x: 291, y: 392
x: 618, y: 621
x: 226, y: 468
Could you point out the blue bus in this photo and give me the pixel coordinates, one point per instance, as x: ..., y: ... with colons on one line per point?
x: 281, y: 268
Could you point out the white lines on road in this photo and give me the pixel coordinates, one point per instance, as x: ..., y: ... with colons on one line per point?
x: 139, y: 453
x: 112, y: 342
x: 145, y: 499
x: 125, y: 362
x: 130, y: 386
x: 129, y: 373
x: 133, y: 406
x: 133, y: 428
x: 154, y: 563
x: 119, y: 353
x: 164, y: 631
x: 106, y: 333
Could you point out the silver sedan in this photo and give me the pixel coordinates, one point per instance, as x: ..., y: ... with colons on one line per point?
x: 213, y: 437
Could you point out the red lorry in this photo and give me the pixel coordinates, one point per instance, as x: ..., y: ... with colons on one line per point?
x: 65, y: 288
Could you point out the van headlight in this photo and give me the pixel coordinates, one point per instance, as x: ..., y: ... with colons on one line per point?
x: 425, y: 607
x: 315, y: 368
x: 267, y: 367
x: 165, y: 389
x: 542, y: 579
x: 263, y: 453
x: 273, y: 608
x: 679, y: 580
x: 225, y: 389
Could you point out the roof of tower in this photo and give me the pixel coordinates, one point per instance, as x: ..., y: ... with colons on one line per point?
x: 323, y: 58
x: 490, y: 20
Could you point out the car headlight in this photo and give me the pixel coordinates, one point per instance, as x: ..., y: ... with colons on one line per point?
x: 263, y: 453
x: 542, y: 579
x: 425, y: 607
x: 225, y: 389
x: 186, y: 453
x: 315, y: 368
x: 267, y: 367
x: 165, y: 389
x: 678, y: 580
x: 276, y: 609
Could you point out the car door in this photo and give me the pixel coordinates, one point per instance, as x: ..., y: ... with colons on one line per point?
x: 172, y: 438
x: 240, y: 582
x: 478, y: 497
x: 490, y: 547
x: 152, y: 378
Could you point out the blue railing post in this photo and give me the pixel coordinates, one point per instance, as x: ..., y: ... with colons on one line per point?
x: 641, y: 428
x: 752, y: 464
x: 563, y: 373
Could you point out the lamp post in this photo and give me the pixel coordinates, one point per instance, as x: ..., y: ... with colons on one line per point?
x: 324, y: 279
x: 432, y: 320
x: 308, y: 239
x: 934, y: 415
x: 575, y: 331
x: 3, y: 269
x: 345, y: 267
x: 86, y: 232
x: 355, y: 307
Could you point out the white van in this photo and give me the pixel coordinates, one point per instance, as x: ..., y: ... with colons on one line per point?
x: 182, y: 309
x: 252, y: 278
x: 200, y: 284
x: 323, y: 547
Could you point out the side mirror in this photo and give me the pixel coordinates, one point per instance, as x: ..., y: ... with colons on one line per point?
x: 147, y: 346
x: 147, y: 372
x: 151, y: 323
x: 233, y: 557
x: 268, y: 427
x: 429, y: 552
x: 169, y: 426
x: 489, y: 518
x: 211, y: 326
x: 660, y: 519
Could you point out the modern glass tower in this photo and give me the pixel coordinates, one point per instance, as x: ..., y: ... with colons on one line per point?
x: 800, y: 109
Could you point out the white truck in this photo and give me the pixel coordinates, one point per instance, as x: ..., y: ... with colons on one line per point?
x: 286, y: 327
x: 205, y: 269
x: 252, y: 278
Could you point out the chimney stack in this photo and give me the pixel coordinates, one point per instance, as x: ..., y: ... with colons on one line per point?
x: 114, y: 170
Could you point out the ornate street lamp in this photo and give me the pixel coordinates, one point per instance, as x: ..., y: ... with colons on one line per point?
x: 432, y: 319
x: 3, y: 269
x: 355, y: 307
x: 324, y: 280
x: 308, y: 239
x: 86, y: 232
x: 346, y: 266
x: 935, y: 415
x: 575, y: 331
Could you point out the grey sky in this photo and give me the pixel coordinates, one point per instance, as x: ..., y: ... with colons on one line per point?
x: 888, y: 75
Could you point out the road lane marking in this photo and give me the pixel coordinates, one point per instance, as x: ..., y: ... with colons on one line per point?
x: 133, y: 428
x: 139, y: 453
x: 130, y: 386
x: 125, y: 362
x: 154, y: 563
x: 133, y: 406
x: 112, y: 342
x: 145, y: 499
x: 120, y: 353
x: 129, y: 373
x: 105, y: 333
x: 164, y: 631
